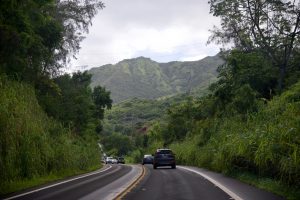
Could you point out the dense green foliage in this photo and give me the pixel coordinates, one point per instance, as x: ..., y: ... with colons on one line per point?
x: 75, y: 104
x: 34, y: 145
x: 37, y: 36
x: 126, y: 124
x: 249, y: 121
x: 265, y: 143
x: 146, y: 79
x: 242, y: 125
x: 48, y: 122
x: 273, y: 27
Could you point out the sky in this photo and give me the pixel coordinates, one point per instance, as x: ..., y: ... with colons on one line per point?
x: 163, y: 30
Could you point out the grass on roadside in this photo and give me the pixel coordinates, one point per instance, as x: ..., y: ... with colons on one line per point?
x: 268, y: 184
x: 10, y: 187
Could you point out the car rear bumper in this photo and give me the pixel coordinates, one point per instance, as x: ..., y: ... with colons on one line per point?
x: 148, y: 162
x: 164, y: 162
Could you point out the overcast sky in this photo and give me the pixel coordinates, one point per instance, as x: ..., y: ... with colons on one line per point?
x: 163, y: 30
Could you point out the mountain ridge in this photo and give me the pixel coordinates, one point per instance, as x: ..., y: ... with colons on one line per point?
x: 144, y: 78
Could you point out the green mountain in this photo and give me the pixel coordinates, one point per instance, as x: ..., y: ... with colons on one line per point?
x: 144, y: 78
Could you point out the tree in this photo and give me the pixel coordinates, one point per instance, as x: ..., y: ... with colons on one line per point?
x: 273, y: 26
x: 102, y: 100
x: 75, y: 103
x: 74, y: 106
x: 37, y: 37
x: 245, y: 75
x: 119, y: 143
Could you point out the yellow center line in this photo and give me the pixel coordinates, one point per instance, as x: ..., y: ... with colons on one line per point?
x: 131, y: 186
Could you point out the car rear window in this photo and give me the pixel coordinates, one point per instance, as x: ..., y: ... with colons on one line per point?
x: 164, y: 151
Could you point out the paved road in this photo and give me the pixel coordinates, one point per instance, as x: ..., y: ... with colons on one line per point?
x: 102, y: 184
x: 188, y: 183
x: 183, y: 183
x: 172, y: 184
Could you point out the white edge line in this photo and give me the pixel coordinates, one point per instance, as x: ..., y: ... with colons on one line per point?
x: 222, y: 187
x: 50, y: 186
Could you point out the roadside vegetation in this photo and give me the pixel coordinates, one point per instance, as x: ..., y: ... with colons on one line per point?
x: 125, y: 125
x: 243, y: 127
x: 248, y: 124
x: 49, y: 121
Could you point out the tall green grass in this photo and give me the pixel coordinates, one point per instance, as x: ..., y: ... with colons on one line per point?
x: 32, y: 145
x: 266, y: 143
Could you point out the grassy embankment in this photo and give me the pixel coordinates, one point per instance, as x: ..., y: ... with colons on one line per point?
x: 261, y: 149
x: 34, y: 148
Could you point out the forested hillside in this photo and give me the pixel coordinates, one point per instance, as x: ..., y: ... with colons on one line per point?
x: 247, y: 125
x: 49, y: 121
x: 146, y: 79
x: 237, y: 112
x: 131, y: 120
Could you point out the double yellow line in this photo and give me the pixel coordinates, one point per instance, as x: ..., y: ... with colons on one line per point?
x: 132, y: 185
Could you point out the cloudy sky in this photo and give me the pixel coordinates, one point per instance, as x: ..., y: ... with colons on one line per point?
x: 163, y: 30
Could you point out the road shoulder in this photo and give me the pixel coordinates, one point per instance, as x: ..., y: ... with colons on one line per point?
x: 235, y: 188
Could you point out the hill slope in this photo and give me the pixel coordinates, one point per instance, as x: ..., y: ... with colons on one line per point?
x: 144, y: 78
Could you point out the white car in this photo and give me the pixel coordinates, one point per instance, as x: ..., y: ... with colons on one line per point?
x: 114, y: 161
x: 109, y: 160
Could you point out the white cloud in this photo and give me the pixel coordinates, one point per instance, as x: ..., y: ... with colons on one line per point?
x: 163, y: 30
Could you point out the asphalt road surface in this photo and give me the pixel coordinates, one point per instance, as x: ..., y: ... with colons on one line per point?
x: 102, y: 184
x: 171, y: 184
x: 191, y: 183
x: 132, y: 183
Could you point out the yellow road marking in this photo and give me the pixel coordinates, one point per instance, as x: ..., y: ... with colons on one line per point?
x: 131, y: 186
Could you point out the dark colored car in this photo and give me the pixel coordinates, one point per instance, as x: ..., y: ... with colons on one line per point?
x: 164, y: 157
x: 121, y: 160
x: 148, y: 159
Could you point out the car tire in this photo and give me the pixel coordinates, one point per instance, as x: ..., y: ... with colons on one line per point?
x: 173, y: 166
x: 154, y: 167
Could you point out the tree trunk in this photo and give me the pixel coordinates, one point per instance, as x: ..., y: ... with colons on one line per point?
x: 281, y: 78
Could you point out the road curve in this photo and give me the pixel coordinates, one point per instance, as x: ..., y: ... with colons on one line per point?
x: 106, y: 183
x: 171, y: 184
x: 191, y: 183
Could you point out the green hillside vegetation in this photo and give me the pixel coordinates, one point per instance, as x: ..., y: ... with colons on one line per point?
x: 265, y: 143
x: 147, y: 79
x: 241, y: 127
x: 130, y: 121
x: 239, y: 114
x: 49, y: 121
x: 34, y: 145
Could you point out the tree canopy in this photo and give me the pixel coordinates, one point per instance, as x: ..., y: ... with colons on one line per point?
x: 272, y: 26
x: 38, y: 37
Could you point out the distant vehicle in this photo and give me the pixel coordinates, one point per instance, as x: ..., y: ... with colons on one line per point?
x: 164, y: 157
x: 121, y: 160
x: 108, y: 160
x: 114, y: 161
x: 148, y: 159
